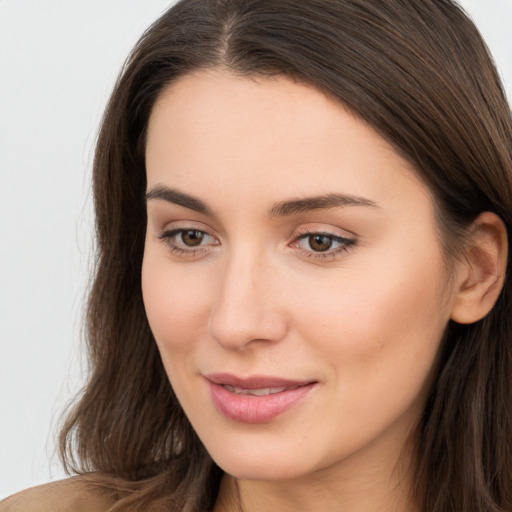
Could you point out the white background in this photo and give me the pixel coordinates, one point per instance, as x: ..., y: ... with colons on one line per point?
x: 58, y: 61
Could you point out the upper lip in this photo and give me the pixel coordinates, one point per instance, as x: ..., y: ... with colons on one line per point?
x: 255, y: 381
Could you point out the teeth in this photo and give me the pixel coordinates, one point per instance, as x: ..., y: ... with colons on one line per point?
x: 255, y: 392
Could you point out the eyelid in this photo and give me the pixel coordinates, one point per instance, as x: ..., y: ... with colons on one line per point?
x: 346, y: 242
x: 186, y: 225
x: 177, y: 231
x: 341, y: 241
x: 168, y: 234
x: 324, y: 228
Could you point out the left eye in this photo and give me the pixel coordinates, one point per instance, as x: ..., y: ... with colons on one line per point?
x: 323, y: 242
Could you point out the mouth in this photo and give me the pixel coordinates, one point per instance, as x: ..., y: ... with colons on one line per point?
x: 258, y: 399
x: 256, y: 392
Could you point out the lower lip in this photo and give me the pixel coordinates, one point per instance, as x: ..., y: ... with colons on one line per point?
x: 256, y: 409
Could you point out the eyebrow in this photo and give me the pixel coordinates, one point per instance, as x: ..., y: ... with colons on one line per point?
x: 280, y: 209
x: 302, y: 205
x: 174, y: 196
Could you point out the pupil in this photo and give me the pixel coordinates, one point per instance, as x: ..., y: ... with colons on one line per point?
x: 320, y: 243
x: 192, y: 238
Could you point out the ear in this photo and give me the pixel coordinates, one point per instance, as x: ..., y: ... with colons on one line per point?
x: 481, y: 273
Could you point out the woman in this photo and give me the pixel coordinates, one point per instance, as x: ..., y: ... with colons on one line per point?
x: 302, y: 217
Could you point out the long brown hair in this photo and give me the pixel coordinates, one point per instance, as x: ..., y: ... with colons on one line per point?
x: 420, y: 74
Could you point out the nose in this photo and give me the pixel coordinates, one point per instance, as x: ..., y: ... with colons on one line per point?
x: 247, y: 307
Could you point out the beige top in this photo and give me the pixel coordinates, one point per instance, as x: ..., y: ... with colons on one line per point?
x: 70, y: 495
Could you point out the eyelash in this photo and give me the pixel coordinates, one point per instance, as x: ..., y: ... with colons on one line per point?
x: 345, y: 243
x: 167, y: 238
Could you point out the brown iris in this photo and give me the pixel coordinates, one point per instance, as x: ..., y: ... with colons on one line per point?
x: 320, y: 243
x: 192, y: 237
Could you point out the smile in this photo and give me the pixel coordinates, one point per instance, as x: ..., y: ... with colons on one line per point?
x: 255, y: 392
x: 257, y: 399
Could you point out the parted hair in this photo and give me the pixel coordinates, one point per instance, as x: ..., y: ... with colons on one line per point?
x: 419, y: 73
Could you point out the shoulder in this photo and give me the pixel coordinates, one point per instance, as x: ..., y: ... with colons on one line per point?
x: 76, y: 494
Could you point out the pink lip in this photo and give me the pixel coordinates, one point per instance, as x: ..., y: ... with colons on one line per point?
x: 246, y: 408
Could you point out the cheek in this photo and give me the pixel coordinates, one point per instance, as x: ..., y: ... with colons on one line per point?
x: 375, y: 335
x: 380, y: 329
x: 176, y: 304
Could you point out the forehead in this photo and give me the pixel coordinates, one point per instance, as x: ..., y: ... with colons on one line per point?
x: 267, y: 137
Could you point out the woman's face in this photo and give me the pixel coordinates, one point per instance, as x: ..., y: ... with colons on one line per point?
x: 292, y: 276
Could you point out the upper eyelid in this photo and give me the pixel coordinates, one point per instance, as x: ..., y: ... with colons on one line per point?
x: 186, y: 225
x: 347, y: 241
x: 332, y: 231
x: 166, y: 233
x: 297, y: 233
x: 334, y: 236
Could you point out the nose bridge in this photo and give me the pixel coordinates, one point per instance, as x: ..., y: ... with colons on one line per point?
x: 245, y: 308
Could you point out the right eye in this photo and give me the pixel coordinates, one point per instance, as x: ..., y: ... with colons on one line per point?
x: 187, y: 241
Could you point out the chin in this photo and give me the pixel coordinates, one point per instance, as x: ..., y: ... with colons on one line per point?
x: 270, y: 469
x: 254, y: 461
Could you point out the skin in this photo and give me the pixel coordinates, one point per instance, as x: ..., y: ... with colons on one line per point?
x: 254, y: 297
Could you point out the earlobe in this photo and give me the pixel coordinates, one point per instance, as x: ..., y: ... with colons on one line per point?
x: 481, y: 274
